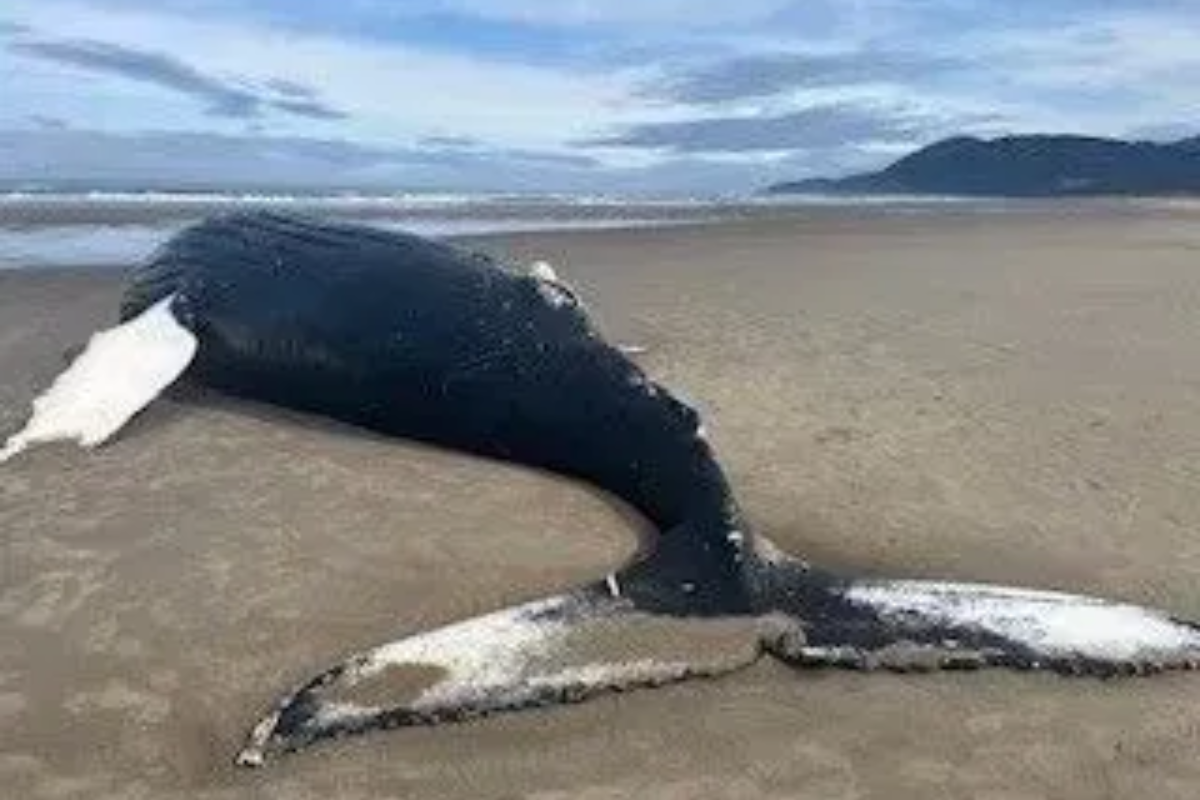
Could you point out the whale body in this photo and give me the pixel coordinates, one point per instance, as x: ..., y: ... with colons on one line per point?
x: 419, y: 339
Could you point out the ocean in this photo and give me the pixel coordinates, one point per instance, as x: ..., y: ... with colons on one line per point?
x: 103, y: 228
x: 40, y: 229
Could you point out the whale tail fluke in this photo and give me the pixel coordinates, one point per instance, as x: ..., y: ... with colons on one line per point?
x: 562, y: 649
x: 117, y: 374
x: 914, y: 625
x: 617, y: 635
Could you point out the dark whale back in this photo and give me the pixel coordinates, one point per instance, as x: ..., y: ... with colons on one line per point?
x: 378, y: 328
x: 416, y: 338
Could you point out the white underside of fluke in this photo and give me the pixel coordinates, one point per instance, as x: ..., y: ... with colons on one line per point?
x: 487, y: 655
x: 1053, y: 624
x: 560, y: 649
x: 476, y: 654
x: 119, y: 373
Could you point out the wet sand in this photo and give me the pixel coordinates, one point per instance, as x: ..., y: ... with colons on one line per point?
x: 1007, y: 397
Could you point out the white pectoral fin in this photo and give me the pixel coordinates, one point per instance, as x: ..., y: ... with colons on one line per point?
x: 562, y: 649
x: 118, y: 373
x: 970, y: 625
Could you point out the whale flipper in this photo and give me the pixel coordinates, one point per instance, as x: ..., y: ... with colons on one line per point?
x: 562, y: 649
x: 118, y: 373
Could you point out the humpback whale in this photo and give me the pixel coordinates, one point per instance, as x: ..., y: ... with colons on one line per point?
x: 419, y: 339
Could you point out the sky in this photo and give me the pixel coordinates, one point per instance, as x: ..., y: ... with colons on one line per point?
x: 603, y: 96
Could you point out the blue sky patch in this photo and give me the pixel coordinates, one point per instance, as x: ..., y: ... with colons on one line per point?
x: 665, y: 95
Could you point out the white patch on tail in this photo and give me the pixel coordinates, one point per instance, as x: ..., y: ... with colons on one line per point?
x: 477, y: 654
x: 117, y: 375
x: 1052, y: 623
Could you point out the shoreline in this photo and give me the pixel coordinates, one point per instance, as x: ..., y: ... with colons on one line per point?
x: 107, y: 237
x: 35, y: 211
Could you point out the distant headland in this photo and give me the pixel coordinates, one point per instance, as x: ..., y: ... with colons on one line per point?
x: 1027, y: 166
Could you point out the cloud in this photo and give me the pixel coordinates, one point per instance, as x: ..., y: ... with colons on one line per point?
x: 312, y: 109
x: 449, y: 149
x: 221, y: 98
x: 822, y: 126
x: 443, y: 141
x: 292, y: 89
x: 1167, y: 131
x: 164, y: 158
x: 396, y: 89
x: 59, y: 154
x: 767, y: 74
x: 518, y: 155
x: 160, y: 159
x: 47, y: 122
x: 1113, y: 51
x: 607, y: 13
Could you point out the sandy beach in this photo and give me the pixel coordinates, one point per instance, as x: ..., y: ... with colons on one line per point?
x: 1010, y: 397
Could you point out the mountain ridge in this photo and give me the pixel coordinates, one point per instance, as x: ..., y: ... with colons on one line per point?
x: 1032, y: 165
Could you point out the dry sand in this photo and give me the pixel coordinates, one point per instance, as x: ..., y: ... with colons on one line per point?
x: 1007, y: 397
